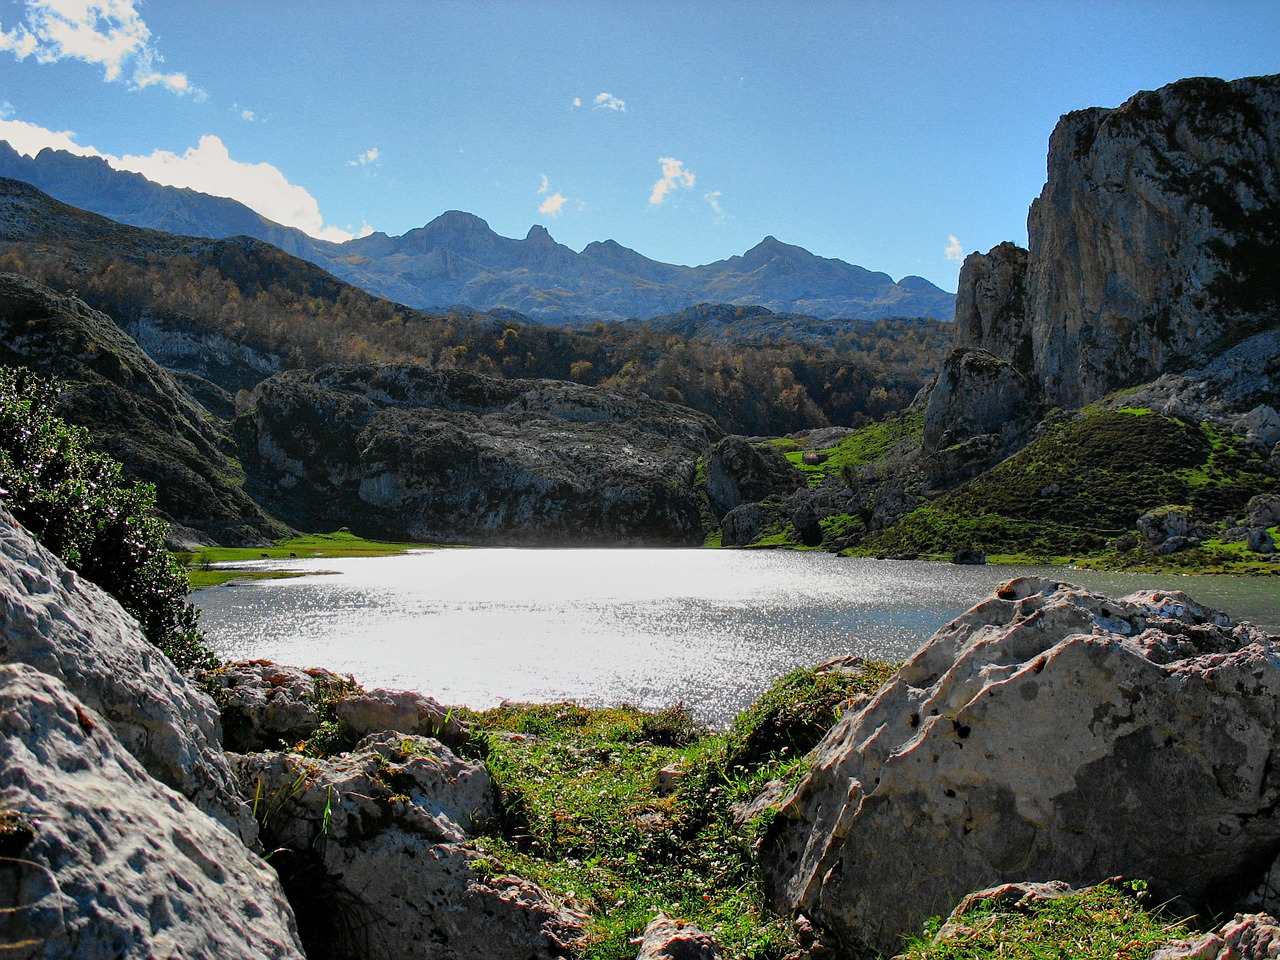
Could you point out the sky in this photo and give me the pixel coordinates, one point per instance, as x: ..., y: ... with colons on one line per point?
x: 893, y: 134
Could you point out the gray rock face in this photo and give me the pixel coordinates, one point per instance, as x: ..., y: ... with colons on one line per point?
x: 420, y: 455
x: 739, y: 471
x: 1047, y: 732
x: 981, y: 408
x: 66, y: 627
x: 374, y: 847
x: 103, y: 861
x: 1152, y: 242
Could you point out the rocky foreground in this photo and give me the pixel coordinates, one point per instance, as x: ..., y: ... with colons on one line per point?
x: 1049, y: 737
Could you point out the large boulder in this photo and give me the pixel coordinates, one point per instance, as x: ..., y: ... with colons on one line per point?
x: 740, y: 471
x: 65, y: 626
x: 375, y: 850
x: 100, y: 860
x: 1047, y: 732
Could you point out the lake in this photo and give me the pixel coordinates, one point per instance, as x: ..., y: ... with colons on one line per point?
x: 709, y: 628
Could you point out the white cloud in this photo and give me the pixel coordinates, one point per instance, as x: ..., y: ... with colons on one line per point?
x: 553, y: 205
x: 577, y: 101
x: 29, y: 139
x: 713, y: 198
x: 954, y: 251
x: 208, y: 168
x: 369, y: 156
x: 248, y: 115
x: 674, y: 175
x: 609, y: 102
x: 109, y: 33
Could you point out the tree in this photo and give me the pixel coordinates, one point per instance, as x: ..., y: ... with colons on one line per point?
x: 78, y: 505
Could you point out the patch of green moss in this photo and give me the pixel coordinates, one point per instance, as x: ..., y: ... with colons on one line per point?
x: 1084, y: 484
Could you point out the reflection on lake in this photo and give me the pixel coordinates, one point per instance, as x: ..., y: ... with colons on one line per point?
x: 652, y: 627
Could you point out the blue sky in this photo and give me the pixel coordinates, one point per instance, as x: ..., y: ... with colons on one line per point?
x: 897, y: 135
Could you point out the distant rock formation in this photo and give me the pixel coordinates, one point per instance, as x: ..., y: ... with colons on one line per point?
x: 1048, y: 733
x: 415, y: 454
x: 457, y: 259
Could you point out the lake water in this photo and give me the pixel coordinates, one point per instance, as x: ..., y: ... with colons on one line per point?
x: 711, y: 629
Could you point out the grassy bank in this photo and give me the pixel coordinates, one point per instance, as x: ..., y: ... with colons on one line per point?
x: 202, y: 572
x: 587, y: 814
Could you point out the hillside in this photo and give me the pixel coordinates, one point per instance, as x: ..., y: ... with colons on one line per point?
x: 1112, y: 391
x: 456, y: 260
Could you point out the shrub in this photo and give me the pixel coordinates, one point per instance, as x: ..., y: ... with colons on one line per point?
x: 77, y: 503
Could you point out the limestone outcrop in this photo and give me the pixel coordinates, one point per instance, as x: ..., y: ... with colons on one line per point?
x: 1046, y: 733
x: 667, y: 939
x: 267, y: 706
x: 101, y: 860
x: 1152, y: 242
x: 415, y: 454
x: 375, y: 849
x: 66, y: 627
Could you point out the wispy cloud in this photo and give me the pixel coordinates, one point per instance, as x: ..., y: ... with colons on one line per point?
x: 109, y: 33
x: 674, y: 176
x: 248, y: 116
x: 554, y: 203
x: 365, y: 159
x: 607, y: 101
x: 954, y: 251
x: 208, y: 168
x: 713, y: 197
x: 577, y: 101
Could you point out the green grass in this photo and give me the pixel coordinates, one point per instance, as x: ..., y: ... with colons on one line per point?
x: 867, y: 445
x: 581, y: 815
x: 1072, y: 492
x: 1107, y: 922
x: 342, y: 543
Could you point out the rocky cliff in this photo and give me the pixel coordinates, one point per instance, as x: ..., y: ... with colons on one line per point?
x: 416, y: 454
x: 1152, y: 245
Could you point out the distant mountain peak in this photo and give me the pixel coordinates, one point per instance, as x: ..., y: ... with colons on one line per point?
x: 458, y: 221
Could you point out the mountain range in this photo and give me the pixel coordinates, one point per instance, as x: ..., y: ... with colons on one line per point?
x: 457, y: 260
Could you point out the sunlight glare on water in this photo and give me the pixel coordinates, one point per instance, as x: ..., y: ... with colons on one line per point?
x: 711, y: 629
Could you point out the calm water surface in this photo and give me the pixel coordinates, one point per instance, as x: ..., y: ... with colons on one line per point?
x: 651, y: 627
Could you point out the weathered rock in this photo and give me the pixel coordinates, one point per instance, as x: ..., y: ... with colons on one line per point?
x: 103, y: 861
x: 1260, y: 541
x: 1034, y: 736
x: 1247, y: 937
x: 66, y: 627
x: 416, y: 454
x: 1264, y: 511
x: 1150, y: 244
x: 667, y: 939
x: 991, y: 305
x: 740, y: 471
x: 981, y: 408
x: 1158, y: 527
x: 742, y: 525
x: 969, y: 556
x: 382, y: 833
x: 370, y: 711
x: 1018, y: 896
x: 265, y: 704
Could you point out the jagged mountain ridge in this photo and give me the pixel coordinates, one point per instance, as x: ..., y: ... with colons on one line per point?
x: 456, y: 259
